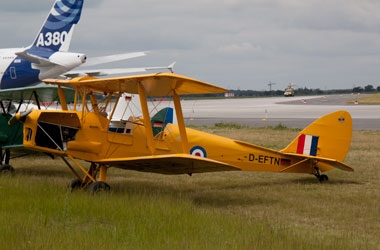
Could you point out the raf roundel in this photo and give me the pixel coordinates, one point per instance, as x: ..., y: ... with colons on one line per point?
x: 198, y: 151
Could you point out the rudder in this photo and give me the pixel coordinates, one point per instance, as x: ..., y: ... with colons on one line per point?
x: 58, y: 27
x: 329, y: 137
x: 159, y: 120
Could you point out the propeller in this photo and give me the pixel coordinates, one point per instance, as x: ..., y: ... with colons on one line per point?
x: 21, y: 116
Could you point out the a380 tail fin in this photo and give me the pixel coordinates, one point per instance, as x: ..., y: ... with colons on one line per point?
x: 58, y: 27
x: 327, y: 137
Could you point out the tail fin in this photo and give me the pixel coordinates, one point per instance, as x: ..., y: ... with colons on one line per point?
x: 58, y: 28
x: 159, y: 120
x: 328, y: 137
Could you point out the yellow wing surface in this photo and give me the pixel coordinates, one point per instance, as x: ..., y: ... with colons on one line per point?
x: 170, y: 164
x: 159, y: 84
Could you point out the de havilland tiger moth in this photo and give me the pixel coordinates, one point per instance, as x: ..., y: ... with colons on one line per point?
x: 85, y: 133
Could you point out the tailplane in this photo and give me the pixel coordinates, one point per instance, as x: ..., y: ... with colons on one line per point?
x: 58, y: 28
x: 327, y: 137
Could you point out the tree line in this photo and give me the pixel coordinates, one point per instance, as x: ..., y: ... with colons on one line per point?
x: 298, y: 91
x: 304, y: 91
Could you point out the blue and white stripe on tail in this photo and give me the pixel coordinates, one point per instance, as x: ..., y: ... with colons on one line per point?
x: 57, y: 31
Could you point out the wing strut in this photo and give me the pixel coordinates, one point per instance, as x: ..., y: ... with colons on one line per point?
x: 37, y: 100
x: 2, y: 106
x: 181, y: 122
x: 147, y: 123
x: 62, y: 98
x: 18, y: 108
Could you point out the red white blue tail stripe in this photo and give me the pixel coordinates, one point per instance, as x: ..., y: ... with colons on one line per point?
x: 307, y: 145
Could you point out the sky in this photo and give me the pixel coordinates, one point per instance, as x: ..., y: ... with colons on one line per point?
x: 236, y: 44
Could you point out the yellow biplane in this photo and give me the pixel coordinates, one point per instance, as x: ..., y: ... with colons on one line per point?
x: 85, y: 133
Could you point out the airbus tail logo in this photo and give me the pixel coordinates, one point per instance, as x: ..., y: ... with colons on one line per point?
x: 55, y: 38
x: 62, y: 18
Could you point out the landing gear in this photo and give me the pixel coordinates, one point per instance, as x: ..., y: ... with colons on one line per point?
x: 92, y: 188
x: 97, y: 187
x: 320, y: 177
x: 6, y: 169
x: 89, y: 181
x: 323, y: 178
x: 5, y: 156
x: 75, y: 185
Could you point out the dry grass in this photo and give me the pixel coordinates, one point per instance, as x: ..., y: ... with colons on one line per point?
x: 372, y: 99
x: 231, y: 210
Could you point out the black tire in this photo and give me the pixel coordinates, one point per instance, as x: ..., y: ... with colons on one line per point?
x: 97, y: 187
x: 323, y: 178
x: 6, y: 169
x: 75, y: 184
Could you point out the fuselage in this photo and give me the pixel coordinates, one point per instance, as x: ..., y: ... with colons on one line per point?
x: 88, y: 137
x: 18, y: 72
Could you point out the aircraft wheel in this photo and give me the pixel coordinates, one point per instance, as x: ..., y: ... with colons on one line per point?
x: 323, y: 178
x: 98, y: 186
x: 6, y: 169
x: 75, y: 184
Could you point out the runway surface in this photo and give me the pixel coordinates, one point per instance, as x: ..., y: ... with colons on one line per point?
x: 294, y: 112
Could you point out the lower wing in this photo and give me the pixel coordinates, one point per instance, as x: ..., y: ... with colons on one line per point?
x: 169, y: 164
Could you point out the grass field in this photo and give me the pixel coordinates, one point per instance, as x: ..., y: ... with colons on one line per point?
x: 371, y: 99
x: 231, y: 210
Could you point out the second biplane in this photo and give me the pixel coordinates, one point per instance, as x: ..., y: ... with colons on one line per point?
x: 84, y: 133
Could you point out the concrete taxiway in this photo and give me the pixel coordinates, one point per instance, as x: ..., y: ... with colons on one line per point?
x: 294, y: 112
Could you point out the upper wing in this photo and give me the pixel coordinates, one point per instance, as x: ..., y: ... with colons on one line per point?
x: 159, y: 84
x: 169, y: 164
x: 113, y: 58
